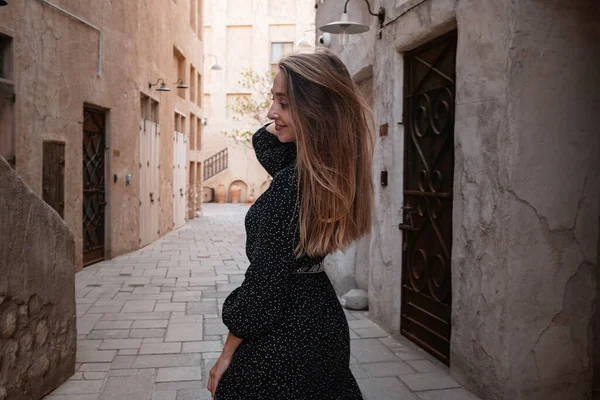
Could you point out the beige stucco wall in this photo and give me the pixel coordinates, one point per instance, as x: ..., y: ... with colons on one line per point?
x: 239, y: 33
x: 37, y: 293
x: 526, y: 212
x: 56, y: 73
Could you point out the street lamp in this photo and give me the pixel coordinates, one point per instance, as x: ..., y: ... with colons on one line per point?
x: 345, y: 27
x: 303, y: 43
x: 214, y: 66
x: 162, y: 88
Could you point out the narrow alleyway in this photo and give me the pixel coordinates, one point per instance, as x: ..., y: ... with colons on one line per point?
x: 149, y: 324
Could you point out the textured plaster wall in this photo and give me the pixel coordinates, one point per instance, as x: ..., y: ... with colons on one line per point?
x: 264, y: 21
x: 37, y: 293
x: 55, y: 74
x: 526, y: 212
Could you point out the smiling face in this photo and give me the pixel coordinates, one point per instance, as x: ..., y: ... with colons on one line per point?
x: 280, y: 111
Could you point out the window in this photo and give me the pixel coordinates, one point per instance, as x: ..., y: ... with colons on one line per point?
x: 193, y: 125
x: 199, y: 90
x: 179, y: 122
x: 179, y: 65
x: 192, y: 84
x: 278, y: 50
x: 198, y: 134
x: 6, y: 57
x: 199, y: 20
x: 148, y: 108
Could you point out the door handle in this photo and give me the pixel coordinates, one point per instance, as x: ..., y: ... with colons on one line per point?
x: 410, y: 226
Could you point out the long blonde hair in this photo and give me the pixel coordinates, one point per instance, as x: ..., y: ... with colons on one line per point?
x: 334, y: 152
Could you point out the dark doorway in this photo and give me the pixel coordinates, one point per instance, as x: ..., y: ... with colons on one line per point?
x: 429, y: 87
x: 94, y: 124
x: 53, y: 176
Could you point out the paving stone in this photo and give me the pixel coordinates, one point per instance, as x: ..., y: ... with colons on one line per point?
x: 447, y: 394
x: 160, y: 348
x: 430, y: 381
x: 366, y: 333
x: 184, y: 332
x: 101, y: 325
x: 199, y: 308
x: 194, y: 394
x: 95, y: 356
x: 127, y: 352
x: 424, y: 366
x: 147, y: 333
x: 109, y: 334
x: 161, y: 323
x: 117, y: 344
x: 172, y: 374
x: 187, y: 296
x: 384, y: 389
x: 135, y: 316
x: 79, y: 387
x: 134, y: 387
x: 371, y: 350
x: 86, y: 324
x: 88, y: 344
x: 94, y: 375
x: 122, y: 372
x: 179, y: 385
x: 94, y: 367
x: 139, y: 305
x: 123, y: 362
x: 388, y: 369
x: 170, y: 307
x: 410, y: 354
x: 202, y: 347
x: 215, y: 328
x: 73, y: 397
x: 358, y: 371
x: 166, y: 360
x: 165, y: 395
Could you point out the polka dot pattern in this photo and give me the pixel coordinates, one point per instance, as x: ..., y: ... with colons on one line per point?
x: 296, y: 339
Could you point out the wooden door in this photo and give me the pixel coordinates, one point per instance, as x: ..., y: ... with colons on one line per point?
x: 429, y: 88
x: 94, y: 142
x: 149, y: 150
x: 53, y: 176
x: 179, y: 179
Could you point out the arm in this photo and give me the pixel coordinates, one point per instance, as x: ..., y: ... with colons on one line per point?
x: 255, y: 307
x: 270, y: 152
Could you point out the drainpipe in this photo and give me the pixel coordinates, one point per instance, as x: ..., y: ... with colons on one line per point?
x: 85, y: 23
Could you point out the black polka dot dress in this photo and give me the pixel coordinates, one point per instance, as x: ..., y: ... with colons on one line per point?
x: 296, y: 340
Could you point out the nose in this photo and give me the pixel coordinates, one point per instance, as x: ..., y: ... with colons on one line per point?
x: 272, y: 114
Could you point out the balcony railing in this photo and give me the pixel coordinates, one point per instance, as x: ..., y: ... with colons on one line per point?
x: 215, y: 164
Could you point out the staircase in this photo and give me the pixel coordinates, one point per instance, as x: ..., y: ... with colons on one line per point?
x: 215, y: 164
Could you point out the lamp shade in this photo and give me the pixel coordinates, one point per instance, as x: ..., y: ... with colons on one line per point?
x: 344, y: 26
x: 303, y: 43
x: 215, y: 67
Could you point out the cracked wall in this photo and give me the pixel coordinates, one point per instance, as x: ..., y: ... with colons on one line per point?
x: 525, y: 209
x: 37, y: 293
x: 56, y: 74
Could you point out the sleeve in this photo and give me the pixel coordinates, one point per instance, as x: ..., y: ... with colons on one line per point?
x: 271, y: 153
x: 254, y: 308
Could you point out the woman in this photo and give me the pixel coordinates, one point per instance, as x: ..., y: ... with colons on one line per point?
x: 288, y: 335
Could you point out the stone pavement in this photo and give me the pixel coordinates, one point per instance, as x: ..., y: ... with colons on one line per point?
x: 149, y: 324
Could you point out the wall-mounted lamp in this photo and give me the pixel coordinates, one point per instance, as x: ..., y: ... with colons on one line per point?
x: 162, y: 88
x: 204, y: 121
x: 213, y: 66
x: 344, y: 27
x: 181, y: 84
x: 303, y: 42
x: 3, y: 3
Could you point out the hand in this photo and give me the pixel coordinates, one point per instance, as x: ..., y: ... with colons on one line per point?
x: 216, y: 372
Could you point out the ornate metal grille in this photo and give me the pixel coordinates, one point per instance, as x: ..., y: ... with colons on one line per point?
x: 428, y: 181
x: 93, y: 186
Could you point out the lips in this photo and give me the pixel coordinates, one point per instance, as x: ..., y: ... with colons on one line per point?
x: 279, y: 127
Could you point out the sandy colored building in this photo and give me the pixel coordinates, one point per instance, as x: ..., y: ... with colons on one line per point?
x: 84, y: 124
x: 243, y: 35
x: 484, y: 249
